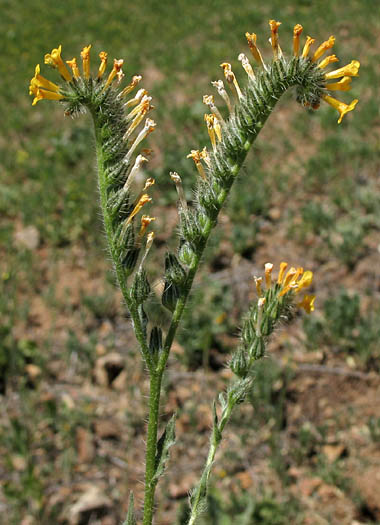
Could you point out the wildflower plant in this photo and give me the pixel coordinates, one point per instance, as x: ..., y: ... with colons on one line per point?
x: 121, y: 124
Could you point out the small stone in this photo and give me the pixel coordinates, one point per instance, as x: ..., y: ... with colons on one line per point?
x: 28, y: 237
x: 108, y: 367
x: 92, y: 504
x: 33, y: 371
x: 333, y: 452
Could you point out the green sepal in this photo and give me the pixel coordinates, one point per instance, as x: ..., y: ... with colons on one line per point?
x: 155, y: 341
x: 173, y: 270
x: 140, y: 288
x: 239, y: 364
x: 170, y: 295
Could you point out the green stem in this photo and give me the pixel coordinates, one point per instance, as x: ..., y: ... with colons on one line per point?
x: 151, y: 446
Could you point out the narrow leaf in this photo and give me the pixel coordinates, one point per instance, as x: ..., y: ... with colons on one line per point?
x: 163, y: 446
x: 131, y: 518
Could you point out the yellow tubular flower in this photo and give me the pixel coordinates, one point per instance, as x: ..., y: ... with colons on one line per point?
x: 231, y: 79
x: 340, y: 106
x: 85, y: 54
x: 49, y: 95
x: 251, y: 38
x: 246, y: 65
x: 268, y: 272
x: 145, y: 221
x: 116, y: 70
x: 328, y: 60
x: 141, y: 202
x: 74, y: 67
x: 54, y: 59
x: 195, y: 154
x: 342, y: 85
x: 306, y: 47
x: 305, y: 281
x: 103, y: 64
x: 328, y: 44
x: 135, y: 80
x: 258, y: 282
x: 350, y: 70
x: 296, y: 39
x: 274, y: 37
x: 281, y: 273
x: 209, y: 118
x: 307, y: 303
x: 39, y: 81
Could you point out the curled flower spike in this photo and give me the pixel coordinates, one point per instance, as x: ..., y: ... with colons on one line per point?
x: 103, y: 64
x: 206, y: 157
x: 246, y: 65
x: 328, y: 44
x: 141, y: 202
x: 74, y: 67
x: 251, y: 38
x: 296, y: 39
x: 196, y: 156
x: 350, y: 70
x: 307, y: 303
x: 274, y: 38
x: 116, y: 71
x: 231, y: 79
x: 218, y: 84
x: 306, y: 48
x: 85, y: 54
x: 343, y: 85
x: 341, y: 107
x: 328, y: 60
x: 54, y: 59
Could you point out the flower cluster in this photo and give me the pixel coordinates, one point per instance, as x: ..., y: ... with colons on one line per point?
x: 275, y: 302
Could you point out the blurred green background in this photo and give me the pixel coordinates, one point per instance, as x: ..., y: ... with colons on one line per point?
x: 72, y: 417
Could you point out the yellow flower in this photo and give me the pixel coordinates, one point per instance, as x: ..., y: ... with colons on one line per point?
x: 141, y: 202
x: 39, y: 81
x: 305, y: 281
x: 74, y: 67
x: 103, y: 63
x: 268, y: 272
x: 296, y: 39
x: 116, y: 70
x: 85, y: 54
x: 274, y: 37
x: 49, y: 95
x: 306, y: 47
x: 196, y: 155
x: 231, y: 79
x: 328, y: 44
x: 145, y: 221
x: 342, y: 85
x: 54, y: 59
x: 281, y: 273
x: 340, y: 106
x: 328, y: 60
x: 307, y: 303
x: 251, y: 38
x: 350, y: 70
